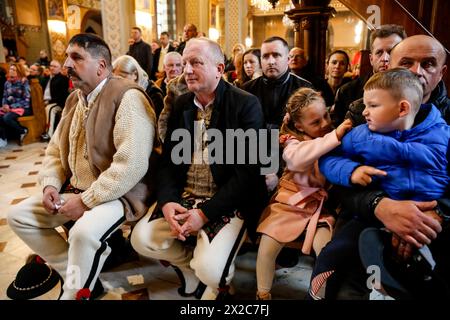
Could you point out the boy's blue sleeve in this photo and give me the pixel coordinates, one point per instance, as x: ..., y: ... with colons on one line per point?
x: 337, y: 166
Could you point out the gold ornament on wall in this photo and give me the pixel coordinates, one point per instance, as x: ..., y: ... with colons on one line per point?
x: 56, y: 9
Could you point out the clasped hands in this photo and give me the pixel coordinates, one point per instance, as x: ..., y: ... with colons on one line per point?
x: 412, y: 223
x: 183, y: 222
x: 72, y: 208
x: 5, y: 108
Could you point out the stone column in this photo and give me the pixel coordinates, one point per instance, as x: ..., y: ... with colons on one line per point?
x: 235, y: 24
x: 117, y: 19
x: 203, y: 16
x: 310, y: 30
x: 192, y: 13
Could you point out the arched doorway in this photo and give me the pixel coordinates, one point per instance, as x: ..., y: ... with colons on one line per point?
x: 92, y: 22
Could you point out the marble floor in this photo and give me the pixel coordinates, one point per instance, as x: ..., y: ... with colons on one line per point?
x: 137, y: 280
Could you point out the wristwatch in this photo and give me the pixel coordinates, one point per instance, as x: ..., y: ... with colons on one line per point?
x: 374, y: 203
x: 445, y: 217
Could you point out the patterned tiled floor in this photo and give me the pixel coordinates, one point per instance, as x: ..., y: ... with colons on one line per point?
x: 138, y: 280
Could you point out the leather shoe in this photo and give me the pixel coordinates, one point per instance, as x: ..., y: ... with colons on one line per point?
x: 189, y: 281
x: 98, y: 290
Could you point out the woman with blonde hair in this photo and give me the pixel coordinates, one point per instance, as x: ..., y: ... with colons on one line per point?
x: 127, y: 67
x: 297, y: 207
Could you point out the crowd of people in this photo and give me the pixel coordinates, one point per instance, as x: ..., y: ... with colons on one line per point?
x: 135, y: 143
x: 16, y: 95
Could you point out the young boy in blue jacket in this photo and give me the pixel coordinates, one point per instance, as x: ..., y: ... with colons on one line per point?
x: 402, y: 149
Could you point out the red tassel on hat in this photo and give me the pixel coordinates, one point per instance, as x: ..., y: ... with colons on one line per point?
x: 83, y: 294
x: 39, y: 260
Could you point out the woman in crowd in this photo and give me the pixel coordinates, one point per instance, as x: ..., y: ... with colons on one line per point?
x: 251, y: 65
x: 127, y: 67
x: 337, y: 65
x: 15, y: 103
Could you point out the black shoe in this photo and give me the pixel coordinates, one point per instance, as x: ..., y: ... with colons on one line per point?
x: 197, y: 293
x: 97, y: 291
x: 287, y: 258
x: 224, y: 294
x: 121, y: 251
x: 22, y: 136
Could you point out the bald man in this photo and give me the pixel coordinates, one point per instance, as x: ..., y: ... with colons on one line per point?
x: 297, y: 60
x: 298, y: 64
x: 189, y: 32
x: 426, y: 57
x: 414, y: 223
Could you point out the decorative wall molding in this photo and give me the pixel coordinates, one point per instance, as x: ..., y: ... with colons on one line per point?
x: 92, y: 4
x: 192, y: 8
x: 232, y: 24
x: 73, y: 17
x: 58, y: 43
x: 111, y: 19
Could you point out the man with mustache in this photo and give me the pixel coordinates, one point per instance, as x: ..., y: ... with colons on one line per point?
x: 94, y: 172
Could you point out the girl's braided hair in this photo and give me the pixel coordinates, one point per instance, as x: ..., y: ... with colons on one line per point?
x: 299, y: 100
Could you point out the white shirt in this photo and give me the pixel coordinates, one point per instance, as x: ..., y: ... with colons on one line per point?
x: 161, y: 58
x: 47, y: 94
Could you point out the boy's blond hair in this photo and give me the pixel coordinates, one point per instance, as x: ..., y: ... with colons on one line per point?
x: 401, y: 84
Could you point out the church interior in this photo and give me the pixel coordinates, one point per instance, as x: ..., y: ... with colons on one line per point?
x: 29, y: 28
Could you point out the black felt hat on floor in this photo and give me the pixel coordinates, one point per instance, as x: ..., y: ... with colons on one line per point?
x: 373, y: 250
x: 34, y: 279
x: 410, y: 279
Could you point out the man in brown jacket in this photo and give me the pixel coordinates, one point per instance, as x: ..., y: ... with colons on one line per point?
x: 94, y: 171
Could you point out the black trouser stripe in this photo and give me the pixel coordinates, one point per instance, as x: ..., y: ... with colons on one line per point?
x: 95, y: 263
x: 226, y: 270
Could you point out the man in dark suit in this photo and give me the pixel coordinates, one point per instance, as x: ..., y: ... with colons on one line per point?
x: 158, y: 59
x: 140, y: 50
x: 56, y: 91
x: 189, y: 32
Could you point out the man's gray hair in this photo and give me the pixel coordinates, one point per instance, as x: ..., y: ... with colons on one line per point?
x: 214, y: 50
x: 172, y: 54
